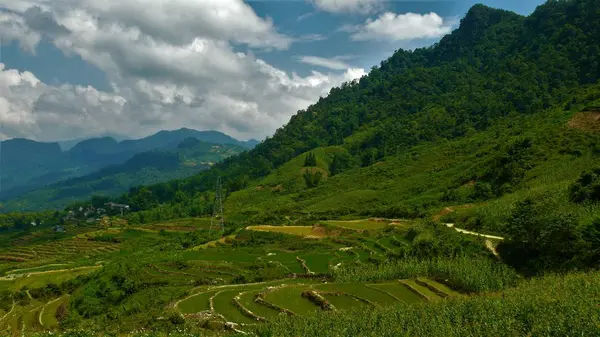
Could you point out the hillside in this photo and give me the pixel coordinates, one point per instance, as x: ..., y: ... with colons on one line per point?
x: 499, y: 74
x: 454, y: 191
x: 27, y: 165
x: 189, y: 157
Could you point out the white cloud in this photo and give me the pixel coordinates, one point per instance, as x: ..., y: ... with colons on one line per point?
x: 168, y: 67
x: 345, y: 6
x: 14, y: 28
x: 400, y: 27
x: 331, y: 63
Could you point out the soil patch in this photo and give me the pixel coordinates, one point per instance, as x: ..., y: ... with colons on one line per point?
x: 587, y: 120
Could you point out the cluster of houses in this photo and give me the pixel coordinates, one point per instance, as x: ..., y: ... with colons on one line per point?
x: 91, y: 214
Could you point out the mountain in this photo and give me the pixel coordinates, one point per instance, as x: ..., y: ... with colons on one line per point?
x: 495, y: 129
x: 430, y: 125
x: 66, y: 145
x: 189, y: 157
x: 27, y: 165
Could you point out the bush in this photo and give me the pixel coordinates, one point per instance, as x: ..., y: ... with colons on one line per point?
x: 586, y: 188
x: 541, y: 236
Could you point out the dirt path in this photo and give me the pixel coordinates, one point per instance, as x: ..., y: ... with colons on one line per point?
x: 10, y: 312
x: 12, y: 277
x: 493, y: 237
x: 15, y: 271
x: 43, y: 309
x: 490, y: 245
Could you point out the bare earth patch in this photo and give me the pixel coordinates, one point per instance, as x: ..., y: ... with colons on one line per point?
x: 588, y: 120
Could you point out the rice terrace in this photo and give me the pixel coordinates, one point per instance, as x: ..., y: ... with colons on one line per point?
x: 318, y: 168
x: 252, y: 277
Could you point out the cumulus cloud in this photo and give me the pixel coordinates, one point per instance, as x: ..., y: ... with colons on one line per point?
x: 14, y: 28
x: 346, y: 6
x: 400, y: 27
x: 168, y: 67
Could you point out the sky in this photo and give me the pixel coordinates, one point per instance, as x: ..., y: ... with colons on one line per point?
x: 72, y: 69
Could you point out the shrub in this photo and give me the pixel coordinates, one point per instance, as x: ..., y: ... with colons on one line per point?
x: 586, y: 188
x: 541, y: 236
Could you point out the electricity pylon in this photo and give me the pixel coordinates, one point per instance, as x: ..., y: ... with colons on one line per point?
x: 217, y: 218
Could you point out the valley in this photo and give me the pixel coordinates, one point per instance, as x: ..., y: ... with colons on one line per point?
x: 453, y: 191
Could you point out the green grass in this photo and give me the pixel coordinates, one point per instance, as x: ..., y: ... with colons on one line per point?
x: 224, y: 306
x: 421, y: 289
x: 290, y: 298
x: 40, y: 280
x: 555, y: 305
x: 196, y: 303
x: 247, y: 300
x: 317, y: 263
x: 358, y: 224
x: 399, y: 291
x: 360, y: 290
x: 345, y: 302
x: 293, y: 230
x: 48, y: 316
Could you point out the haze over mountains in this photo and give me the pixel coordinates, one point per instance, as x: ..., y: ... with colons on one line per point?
x: 27, y: 164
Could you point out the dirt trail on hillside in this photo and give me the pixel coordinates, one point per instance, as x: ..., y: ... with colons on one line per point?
x: 11, y: 277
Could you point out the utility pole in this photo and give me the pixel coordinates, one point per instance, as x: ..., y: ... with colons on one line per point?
x: 218, y: 208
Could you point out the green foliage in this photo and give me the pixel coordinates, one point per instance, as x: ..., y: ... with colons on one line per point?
x: 541, y: 236
x: 467, y: 274
x: 340, y: 162
x: 553, y: 305
x: 496, y: 65
x: 310, y: 160
x: 586, y: 188
x: 312, y: 178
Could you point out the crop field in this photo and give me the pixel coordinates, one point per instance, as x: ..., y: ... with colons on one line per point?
x: 40, y: 279
x: 66, y: 250
x: 367, y: 224
x: 305, y: 231
x: 287, y: 296
x: 249, y: 277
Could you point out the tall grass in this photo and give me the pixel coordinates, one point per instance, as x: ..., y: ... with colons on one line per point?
x: 550, y: 306
x: 463, y: 273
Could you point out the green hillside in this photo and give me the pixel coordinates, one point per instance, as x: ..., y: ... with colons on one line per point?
x: 454, y: 191
x: 481, y: 115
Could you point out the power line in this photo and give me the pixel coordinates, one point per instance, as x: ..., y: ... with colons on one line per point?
x: 218, y: 208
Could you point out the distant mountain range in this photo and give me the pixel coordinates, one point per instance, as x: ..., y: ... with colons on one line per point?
x: 190, y: 156
x: 27, y: 165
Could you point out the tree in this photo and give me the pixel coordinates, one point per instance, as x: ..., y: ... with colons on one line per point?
x: 312, y: 178
x: 310, y: 160
x: 586, y: 188
x: 541, y: 236
x: 339, y: 163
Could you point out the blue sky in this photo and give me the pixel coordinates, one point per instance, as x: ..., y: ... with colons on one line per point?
x: 76, y: 69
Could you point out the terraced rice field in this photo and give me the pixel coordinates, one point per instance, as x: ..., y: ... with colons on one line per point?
x: 40, y: 279
x: 47, y: 315
x: 287, y: 295
x: 223, y: 304
x: 291, y: 298
x: 196, y: 303
x: 364, y: 224
x: 305, y: 231
x: 56, y: 250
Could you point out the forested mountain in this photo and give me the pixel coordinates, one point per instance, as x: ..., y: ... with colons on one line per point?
x: 27, y: 164
x: 495, y: 129
x: 496, y: 66
x: 189, y: 157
